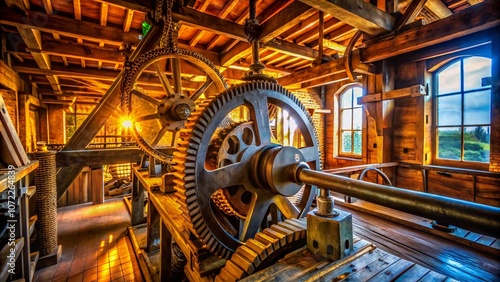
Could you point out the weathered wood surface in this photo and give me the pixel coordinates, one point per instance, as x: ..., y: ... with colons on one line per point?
x: 460, y: 24
x: 440, y: 255
x: 20, y: 173
x: 368, y: 263
x: 201, y: 263
x: 11, y: 147
x: 98, y: 157
x: 479, y: 242
x: 10, y: 79
x: 359, y: 14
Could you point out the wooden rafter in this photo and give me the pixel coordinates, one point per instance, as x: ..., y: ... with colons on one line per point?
x: 77, y: 9
x: 438, y: 8
x: 463, y: 23
x: 68, y: 27
x: 287, y: 18
x: 129, y: 15
x: 357, y: 13
x: 411, y: 12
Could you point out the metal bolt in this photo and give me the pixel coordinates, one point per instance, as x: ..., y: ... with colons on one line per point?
x: 182, y: 111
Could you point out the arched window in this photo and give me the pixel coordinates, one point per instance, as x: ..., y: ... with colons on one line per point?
x: 350, y: 116
x: 463, y: 103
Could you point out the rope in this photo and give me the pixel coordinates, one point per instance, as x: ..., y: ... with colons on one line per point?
x: 46, y: 202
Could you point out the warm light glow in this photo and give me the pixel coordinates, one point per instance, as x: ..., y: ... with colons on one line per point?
x: 127, y: 123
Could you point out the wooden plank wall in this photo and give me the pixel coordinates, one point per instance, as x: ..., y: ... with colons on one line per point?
x: 79, y: 191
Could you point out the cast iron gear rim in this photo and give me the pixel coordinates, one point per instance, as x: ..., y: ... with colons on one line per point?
x: 193, y: 181
x: 134, y: 72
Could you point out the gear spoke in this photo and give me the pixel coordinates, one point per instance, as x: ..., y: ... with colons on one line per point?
x: 202, y: 88
x: 159, y: 135
x: 146, y: 97
x: 310, y: 153
x: 287, y: 208
x: 260, y: 115
x: 176, y: 71
x: 147, y: 117
x: 231, y: 175
x: 255, y: 216
x: 163, y: 79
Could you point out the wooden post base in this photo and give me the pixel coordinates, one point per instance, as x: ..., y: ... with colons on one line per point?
x: 50, y: 259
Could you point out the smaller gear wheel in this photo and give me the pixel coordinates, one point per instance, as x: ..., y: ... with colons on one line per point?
x: 160, y: 91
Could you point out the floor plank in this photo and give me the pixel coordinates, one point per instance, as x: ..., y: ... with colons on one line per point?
x: 95, y: 246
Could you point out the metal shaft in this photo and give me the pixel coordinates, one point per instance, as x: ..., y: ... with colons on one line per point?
x: 471, y: 216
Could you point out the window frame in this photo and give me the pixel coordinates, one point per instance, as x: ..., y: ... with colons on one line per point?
x: 462, y: 92
x: 338, y: 123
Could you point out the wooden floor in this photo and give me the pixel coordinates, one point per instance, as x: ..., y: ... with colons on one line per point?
x: 95, y: 246
x: 452, y: 259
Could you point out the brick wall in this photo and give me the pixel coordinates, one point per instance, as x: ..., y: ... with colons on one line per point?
x: 311, y: 100
x: 10, y: 100
x: 56, y: 124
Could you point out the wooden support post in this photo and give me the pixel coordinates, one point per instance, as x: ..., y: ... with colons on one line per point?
x: 97, y: 185
x: 137, y: 212
x: 165, y: 253
x: 153, y: 236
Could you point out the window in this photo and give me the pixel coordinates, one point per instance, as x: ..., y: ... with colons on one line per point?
x: 463, y: 103
x: 350, y: 122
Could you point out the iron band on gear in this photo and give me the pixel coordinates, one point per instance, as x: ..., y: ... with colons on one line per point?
x: 157, y: 104
x: 270, y: 188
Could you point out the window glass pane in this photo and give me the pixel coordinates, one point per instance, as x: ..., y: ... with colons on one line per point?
x: 449, y: 145
x: 357, y: 142
x: 346, y: 119
x: 450, y: 110
x: 449, y: 79
x: 477, y: 107
x: 477, y: 144
x: 346, y: 99
x: 346, y: 141
x: 357, y: 118
x: 70, y: 120
x: 358, y: 92
x: 475, y: 69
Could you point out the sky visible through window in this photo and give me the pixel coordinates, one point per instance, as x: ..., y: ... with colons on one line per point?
x: 463, y: 110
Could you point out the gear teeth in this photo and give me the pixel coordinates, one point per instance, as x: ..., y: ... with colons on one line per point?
x: 244, y: 261
x: 186, y: 162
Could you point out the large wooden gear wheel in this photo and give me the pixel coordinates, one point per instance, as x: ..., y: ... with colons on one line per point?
x: 197, y: 179
x: 158, y: 105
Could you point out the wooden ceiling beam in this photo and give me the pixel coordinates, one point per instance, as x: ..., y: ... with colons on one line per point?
x: 292, y: 49
x: 313, y: 33
x: 127, y: 22
x: 284, y: 20
x: 357, y: 13
x: 136, y: 5
x: 89, y: 73
x: 463, y: 23
x: 82, y: 52
x: 10, y: 79
x: 194, y: 18
x: 47, y: 5
x: 438, y: 8
x: 333, y: 78
x: 33, y: 39
x: 68, y: 27
x: 320, y: 71
x: 411, y: 12
x: 223, y: 14
x: 77, y: 10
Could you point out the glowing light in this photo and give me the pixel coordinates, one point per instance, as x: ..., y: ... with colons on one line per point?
x: 127, y: 123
